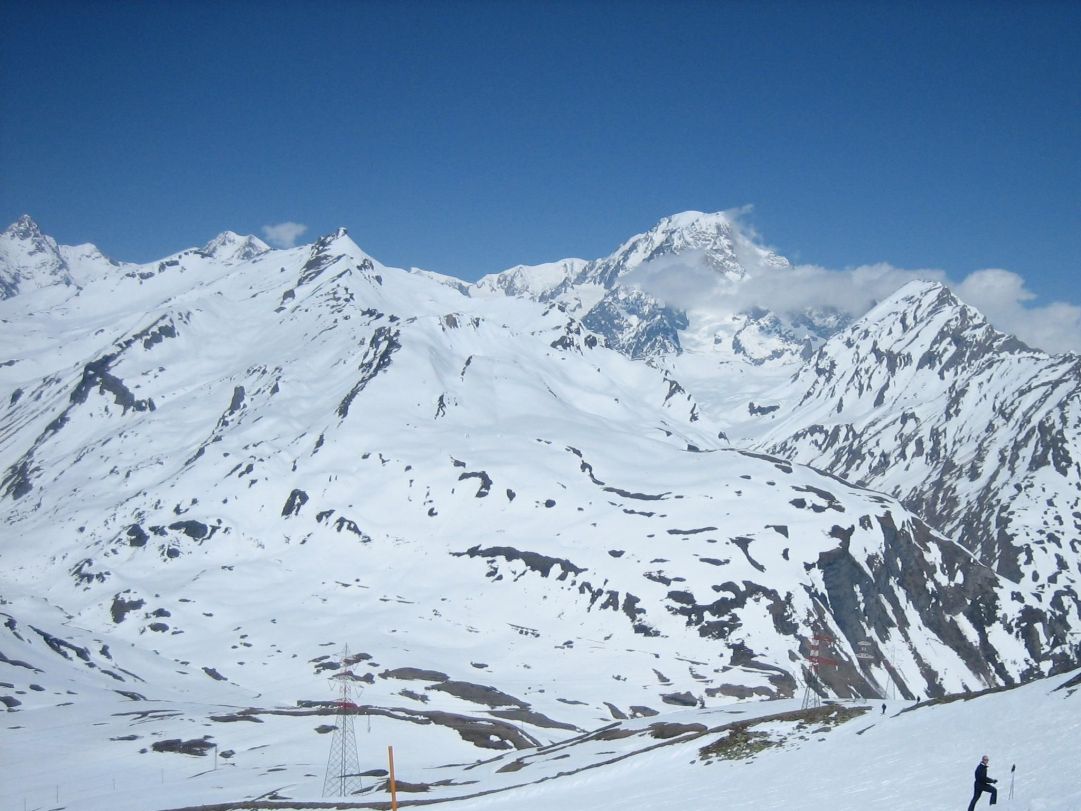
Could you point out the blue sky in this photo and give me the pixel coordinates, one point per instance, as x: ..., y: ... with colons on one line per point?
x: 465, y: 137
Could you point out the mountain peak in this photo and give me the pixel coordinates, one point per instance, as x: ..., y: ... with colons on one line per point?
x: 29, y: 259
x: 689, y: 230
x: 340, y: 239
x: 716, y: 240
x: 230, y: 246
x: 336, y: 244
x: 693, y: 219
x: 24, y: 228
x: 918, y: 300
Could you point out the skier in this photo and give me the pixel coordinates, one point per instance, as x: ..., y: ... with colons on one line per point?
x: 982, y: 784
x: 883, y: 709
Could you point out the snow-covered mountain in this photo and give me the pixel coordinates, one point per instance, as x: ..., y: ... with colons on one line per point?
x: 31, y: 260
x: 973, y: 430
x: 645, y: 298
x: 219, y: 469
x: 922, y: 398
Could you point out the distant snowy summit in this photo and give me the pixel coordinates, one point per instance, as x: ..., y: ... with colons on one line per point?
x: 232, y: 247
x: 30, y: 259
x: 676, y: 287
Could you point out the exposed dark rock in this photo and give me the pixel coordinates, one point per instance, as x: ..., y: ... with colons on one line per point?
x: 638, y: 496
x: 524, y: 716
x: 485, y: 482
x: 667, y: 730
x: 297, y: 499
x: 62, y: 646
x: 96, y: 373
x: 237, y: 716
x: 683, y: 699
x: 156, y: 335
x: 382, y: 346
x: 122, y: 606
x: 196, y: 746
x: 16, y: 663
x: 534, y: 561
x: 478, y: 694
x: 137, y: 535
x: 414, y: 674
x: 740, y: 691
x: 744, y: 545
x: 196, y: 530
x: 84, y: 573
x: 616, y: 712
x: 350, y: 526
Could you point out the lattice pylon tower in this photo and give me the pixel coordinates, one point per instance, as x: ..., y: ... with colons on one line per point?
x: 865, y: 657
x: 343, y: 767
x: 811, y: 698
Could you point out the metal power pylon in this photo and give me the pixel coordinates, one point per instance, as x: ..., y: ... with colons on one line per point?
x: 811, y: 698
x: 343, y: 767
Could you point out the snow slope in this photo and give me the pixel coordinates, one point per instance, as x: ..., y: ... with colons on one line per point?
x: 220, y: 469
x: 748, y: 755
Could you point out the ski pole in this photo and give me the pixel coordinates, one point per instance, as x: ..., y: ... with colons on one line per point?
x: 1013, y: 769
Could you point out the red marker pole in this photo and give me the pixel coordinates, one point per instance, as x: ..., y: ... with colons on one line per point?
x: 393, y: 787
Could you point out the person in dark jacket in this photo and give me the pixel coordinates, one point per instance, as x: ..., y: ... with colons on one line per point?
x: 982, y: 784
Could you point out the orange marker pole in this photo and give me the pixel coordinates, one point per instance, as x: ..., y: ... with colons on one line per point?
x: 393, y: 787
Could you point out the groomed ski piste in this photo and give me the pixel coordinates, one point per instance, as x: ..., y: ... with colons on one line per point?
x: 762, y: 755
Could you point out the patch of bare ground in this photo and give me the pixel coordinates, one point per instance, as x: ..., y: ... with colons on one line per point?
x: 741, y: 740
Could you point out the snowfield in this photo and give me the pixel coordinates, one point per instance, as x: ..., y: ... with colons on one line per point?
x: 841, y: 757
x: 552, y: 574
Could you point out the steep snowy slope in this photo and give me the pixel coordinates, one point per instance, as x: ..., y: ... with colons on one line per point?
x: 970, y: 428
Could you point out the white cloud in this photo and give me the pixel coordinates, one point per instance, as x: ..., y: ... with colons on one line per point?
x: 684, y: 281
x: 689, y: 282
x: 284, y: 234
x: 853, y: 291
x: 1002, y: 297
